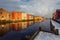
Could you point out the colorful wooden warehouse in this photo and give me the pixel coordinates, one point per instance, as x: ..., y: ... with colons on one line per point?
x: 18, y: 16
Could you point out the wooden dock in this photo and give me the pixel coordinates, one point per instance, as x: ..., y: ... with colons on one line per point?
x: 36, y: 33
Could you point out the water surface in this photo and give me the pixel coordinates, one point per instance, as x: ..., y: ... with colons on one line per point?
x: 19, y: 31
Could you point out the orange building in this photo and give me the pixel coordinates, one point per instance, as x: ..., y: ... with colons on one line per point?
x: 4, y: 15
x: 16, y: 16
x: 21, y: 16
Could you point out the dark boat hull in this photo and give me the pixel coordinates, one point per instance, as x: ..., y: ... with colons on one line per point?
x: 56, y: 21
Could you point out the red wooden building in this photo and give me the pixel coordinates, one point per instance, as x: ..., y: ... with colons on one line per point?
x: 58, y: 13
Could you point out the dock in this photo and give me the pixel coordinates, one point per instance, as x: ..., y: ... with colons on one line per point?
x: 53, y: 31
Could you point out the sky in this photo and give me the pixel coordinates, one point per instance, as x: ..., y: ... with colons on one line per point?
x: 43, y: 8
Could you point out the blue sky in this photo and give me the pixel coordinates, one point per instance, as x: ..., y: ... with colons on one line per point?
x: 35, y: 7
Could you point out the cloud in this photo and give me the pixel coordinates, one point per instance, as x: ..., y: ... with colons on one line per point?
x: 36, y: 7
x: 25, y: 6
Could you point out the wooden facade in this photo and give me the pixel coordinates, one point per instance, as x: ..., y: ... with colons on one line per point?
x: 18, y: 16
x: 38, y: 19
x: 4, y: 15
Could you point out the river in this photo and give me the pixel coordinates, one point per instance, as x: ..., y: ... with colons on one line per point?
x: 20, y: 30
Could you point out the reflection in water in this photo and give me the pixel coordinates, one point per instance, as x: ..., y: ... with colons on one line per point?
x: 5, y: 28
x: 18, y: 32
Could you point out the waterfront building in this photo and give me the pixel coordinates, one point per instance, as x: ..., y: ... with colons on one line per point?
x: 21, y: 16
x: 18, y: 16
x: 4, y: 15
x: 56, y: 15
x: 38, y: 18
x: 30, y: 17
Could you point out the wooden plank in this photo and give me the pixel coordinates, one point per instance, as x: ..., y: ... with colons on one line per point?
x: 32, y: 38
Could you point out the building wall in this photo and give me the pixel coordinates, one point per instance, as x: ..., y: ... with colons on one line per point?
x: 4, y: 15
x: 16, y: 16
x: 41, y: 19
x: 30, y: 17
x: 58, y: 13
x: 38, y: 19
x: 10, y: 16
x: 21, y: 16
x: 24, y: 16
x: 54, y: 16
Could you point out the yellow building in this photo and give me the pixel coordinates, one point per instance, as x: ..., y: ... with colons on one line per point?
x: 39, y: 19
x: 4, y: 15
x: 24, y: 16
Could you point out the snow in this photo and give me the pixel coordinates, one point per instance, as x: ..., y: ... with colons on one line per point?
x: 49, y: 36
x: 57, y: 25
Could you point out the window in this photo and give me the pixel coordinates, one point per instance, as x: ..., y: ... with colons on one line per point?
x: 9, y: 15
x: 24, y: 17
x: 2, y: 16
x: 0, y: 12
x: 31, y: 16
